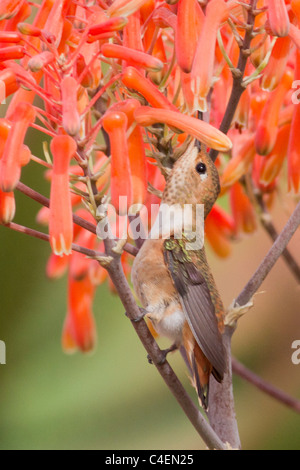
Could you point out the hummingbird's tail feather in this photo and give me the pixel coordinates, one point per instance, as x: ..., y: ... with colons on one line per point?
x: 199, y: 366
x: 202, y: 388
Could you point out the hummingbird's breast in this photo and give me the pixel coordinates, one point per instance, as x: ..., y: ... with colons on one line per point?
x: 154, y: 287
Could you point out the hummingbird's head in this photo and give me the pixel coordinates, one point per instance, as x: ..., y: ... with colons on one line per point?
x: 194, y: 180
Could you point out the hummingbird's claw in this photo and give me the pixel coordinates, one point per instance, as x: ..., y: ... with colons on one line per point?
x: 164, y: 353
x: 143, y: 312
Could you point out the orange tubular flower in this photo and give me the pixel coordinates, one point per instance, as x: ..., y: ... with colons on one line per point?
x: 12, y: 53
x: 186, y: 85
x: 10, y: 165
x: 268, y: 124
x: 8, y: 83
x: 25, y: 154
x: 242, y: 210
x: 108, y: 26
x: 163, y: 17
x: 55, y: 21
x: 202, y: 71
x: 295, y: 5
x: 21, y: 15
x: 136, y: 151
x: 63, y: 149
x: 132, y: 34
x: 146, y: 11
x: 71, y: 119
x: 132, y: 57
x: 186, y: 34
x: 256, y: 171
x: 294, y: 34
x: 9, y: 37
x: 294, y: 143
x: 136, y: 81
x: 243, y: 108
x: 79, y: 267
x: 125, y: 7
x: 272, y: 163
x: 115, y: 124
x: 278, y: 18
x: 257, y: 104
x: 23, y: 95
x: 219, y: 229
x: 29, y: 30
x: 57, y: 266
x: 242, y: 156
x: 201, y: 130
x: 9, y: 8
x: 276, y: 67
x: 79, y: 329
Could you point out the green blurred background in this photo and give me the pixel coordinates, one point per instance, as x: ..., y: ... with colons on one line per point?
x: 114, y: 399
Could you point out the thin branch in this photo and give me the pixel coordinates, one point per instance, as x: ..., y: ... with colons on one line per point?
x: 265, y: 386
x: 45, y: 237
x: 266, y: 222
x: 286, y: 254
x: 270, y: 259
x: 238, y: 74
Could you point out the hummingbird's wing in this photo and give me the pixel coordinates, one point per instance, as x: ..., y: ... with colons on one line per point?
x: 196, y: 303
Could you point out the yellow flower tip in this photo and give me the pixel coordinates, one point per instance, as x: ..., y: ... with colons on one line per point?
x: 7, y: 207
x: 69, y: 346
x: 60, y: 246
x: 202, y: 104
x: 270, y: 84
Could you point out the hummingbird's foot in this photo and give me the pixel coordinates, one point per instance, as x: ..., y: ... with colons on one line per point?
x: 235, y: 312
x: 143, y: 313
x: 164, y: 353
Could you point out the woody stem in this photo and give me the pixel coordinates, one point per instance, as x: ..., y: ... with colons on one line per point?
x: 238, y: 75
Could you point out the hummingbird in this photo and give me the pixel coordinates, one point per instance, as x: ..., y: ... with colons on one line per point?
x: 174, y: 283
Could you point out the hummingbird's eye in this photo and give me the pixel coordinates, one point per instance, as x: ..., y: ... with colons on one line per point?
x: 201, y: 168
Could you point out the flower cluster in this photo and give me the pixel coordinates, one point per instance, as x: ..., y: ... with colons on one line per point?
x: 123, y: 85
